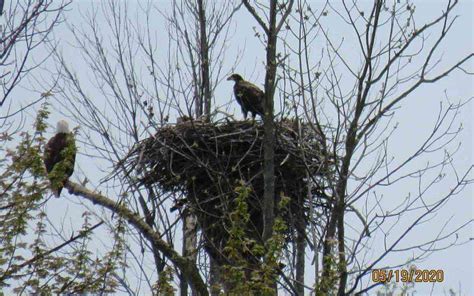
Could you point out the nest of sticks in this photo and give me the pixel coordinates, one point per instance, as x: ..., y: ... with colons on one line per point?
x: 206, y: 161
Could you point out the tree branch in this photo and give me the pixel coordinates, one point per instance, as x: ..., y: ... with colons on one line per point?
x: 285, y: 16
x: 256, y: 16
x: 10, y: 272
x: 185, y: 265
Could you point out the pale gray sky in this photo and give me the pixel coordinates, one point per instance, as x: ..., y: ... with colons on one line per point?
x: 415, y: 118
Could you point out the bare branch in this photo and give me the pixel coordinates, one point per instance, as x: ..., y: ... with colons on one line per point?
x: 185, y: 265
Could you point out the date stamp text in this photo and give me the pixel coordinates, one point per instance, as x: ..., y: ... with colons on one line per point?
x: 408, y: 275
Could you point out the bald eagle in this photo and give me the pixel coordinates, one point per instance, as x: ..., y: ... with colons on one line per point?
x: 60, y: 156
x: 248, y: 95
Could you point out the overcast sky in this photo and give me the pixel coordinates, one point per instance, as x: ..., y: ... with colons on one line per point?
x: 415, y: 118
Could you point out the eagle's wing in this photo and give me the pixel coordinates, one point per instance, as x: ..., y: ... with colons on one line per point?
x: 59, y: 160
x: 50, y: 157
x: 239, y: 94
x: 252, y: 89
x: 253, y: 97
x: 70, y: 154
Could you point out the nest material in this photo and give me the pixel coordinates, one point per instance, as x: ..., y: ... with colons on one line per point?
x: 206, y: 161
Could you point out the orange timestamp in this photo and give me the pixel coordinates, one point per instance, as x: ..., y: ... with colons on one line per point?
x: 408, y: 275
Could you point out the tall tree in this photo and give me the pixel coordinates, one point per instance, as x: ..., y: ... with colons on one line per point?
x: 352, y: 107
x: 347, y: 86
x: 271, y: 30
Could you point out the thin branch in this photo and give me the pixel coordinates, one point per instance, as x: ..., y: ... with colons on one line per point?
x: 15, y: 268
x: 185, y: 265
x: 256, y: 16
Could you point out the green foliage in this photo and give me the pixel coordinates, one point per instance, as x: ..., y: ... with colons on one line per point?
x: 274, y: 249
x: 328, y: 283
x: 41, y: 117
x: 238, y: 243
x: 85, y: 274
x: 254, y: 267
x: 58, y: 174
x: 164, y: 286
x: 26, y: 259
x: 22, y: 186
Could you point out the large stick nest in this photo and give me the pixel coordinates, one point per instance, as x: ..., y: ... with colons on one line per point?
x: 206, y: 161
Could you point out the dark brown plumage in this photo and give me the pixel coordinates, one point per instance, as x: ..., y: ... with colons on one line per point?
x: 248, y: 95
x: 59, y: 157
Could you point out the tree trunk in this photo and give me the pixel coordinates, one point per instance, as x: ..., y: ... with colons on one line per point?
x: 204, y: 58
x: 300, y: 250
x: 203, y: 100
x: 189, y: 244
x: 269, y: 136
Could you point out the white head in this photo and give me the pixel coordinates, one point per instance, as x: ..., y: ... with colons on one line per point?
x: 62, y: 127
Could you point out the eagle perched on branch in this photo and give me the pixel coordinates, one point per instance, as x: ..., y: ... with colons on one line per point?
x: 248, y: 95
x: 60, y: 156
